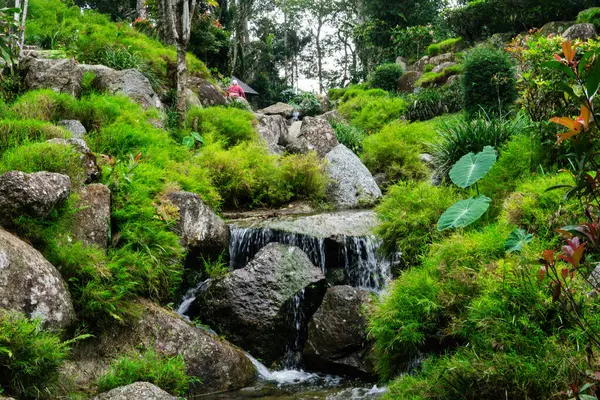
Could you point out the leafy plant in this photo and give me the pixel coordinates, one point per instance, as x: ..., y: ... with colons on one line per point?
x: 9, y: 36
x: 306, y: 103
x: 193, y: 140
x: 386, y: 77
x: 465, y: 173
x: 518, y: 239
x: 349, y: 135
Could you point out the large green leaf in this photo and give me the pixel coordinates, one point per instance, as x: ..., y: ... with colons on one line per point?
x: 517, y: 240
x: 472, y: 167
x: 464, y: 213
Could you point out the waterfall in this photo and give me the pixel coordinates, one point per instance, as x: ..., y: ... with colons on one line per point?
x: 246, y: 242
x: 190, y: 296
x: 365, y: 268
x: 293, y: 357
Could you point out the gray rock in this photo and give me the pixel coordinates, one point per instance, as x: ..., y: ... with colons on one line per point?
x: 33, y: 195
x: 75, y: 127
x: 583, y: 32
x: 555, y: 28
x: 292, y: 134
x: 443, y: 66
x: 352, y: 184
x: 332, y: 116
x: 283, y: 109
x: 136, y: 391
x: 252, y: 305
x: 403, y: 62
x: 442, y: 58
x: 60, y: 75
x: 324, y: 101
x: 271, y: 128
x: 88, y: 159
x: 129, y: 82
x: 209, y: 94
x: 192, y: 99
x: 316, y: 135
x: 337, y: 334
x: 242, y: 101
x: 199, y: 228
x: 91, y: 224
x: 428, y: 160
x: 31, y: 285
x: 419, y: 66
x: 215, y: 362
x: 406, y: 83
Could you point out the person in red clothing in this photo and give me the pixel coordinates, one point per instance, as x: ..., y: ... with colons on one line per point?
x: 235, y: 90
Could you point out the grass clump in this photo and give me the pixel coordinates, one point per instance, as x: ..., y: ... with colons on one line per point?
x: 371, y: 113
x: 29, y: 357
x: 230, y: 126
x: 349, y: 135
x: 14, y: 133
x: 386, y: 77
x: 430, y: 103
x: 168, y: 373
x: 445, y: 46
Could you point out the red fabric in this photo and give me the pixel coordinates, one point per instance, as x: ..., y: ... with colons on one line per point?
x: 236, y: 91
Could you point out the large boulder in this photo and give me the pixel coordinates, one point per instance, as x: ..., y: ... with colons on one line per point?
x: 316, y: 135
x: 419, y: 66
x: 33, y: 195
x: 283, y: 109
x: 216, y: 363
x: 332, y: 117
x: 403, y: 62
x: 75, y: 127
x: 88, y: 159
x: 291, y: 135
x: 91, y: 224
x: 555, y: 28
x: 31, y: 285
x: 130, y: 82
x: 442, y: 58
x: 191, y: 99
x: 439, y: 68
x: 60, y: 75
x: 337, y: 334
x: 271, y: 128
x: 200, y: 229
x: 136, y: 391
x: 209, y: 94
x: 352, y: 184
x: 252, y: 306
x: 583, y: 32
x: 406, y: 83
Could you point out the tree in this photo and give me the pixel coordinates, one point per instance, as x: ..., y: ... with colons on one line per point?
x: 117, y: 9
x: 176, y: 17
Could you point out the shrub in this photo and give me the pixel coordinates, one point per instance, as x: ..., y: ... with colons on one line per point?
x: 461, y: 136
x: 488, y: 82
x: 408, y: 215
x: 29, y: 357
x: 349, y: 135
x: 372, y: 113
x: 394, y: 153
x: 424, y: 105
x: 356, y: 91
x: 445, y: 46
x: 590, y: 16
x: 47, y: 157
x: 304, y: 176
x: 229, y: 126
x: 386, y: 77
x: 14, y: 133
x: 307, y: 104
x: 168, y: 373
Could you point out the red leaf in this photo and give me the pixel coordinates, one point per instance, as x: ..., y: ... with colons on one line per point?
x: 549, y: 257
x: 543, y: 271
x: 564, y: 272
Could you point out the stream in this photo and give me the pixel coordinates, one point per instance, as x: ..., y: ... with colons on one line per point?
x: 342, y: 246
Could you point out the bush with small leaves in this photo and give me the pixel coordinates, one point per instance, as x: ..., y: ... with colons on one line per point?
x: 386, y: 77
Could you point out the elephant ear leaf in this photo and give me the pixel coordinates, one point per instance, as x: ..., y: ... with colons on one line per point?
x: 472, y: 167
x: 517, y: 239
x: 464, y: 213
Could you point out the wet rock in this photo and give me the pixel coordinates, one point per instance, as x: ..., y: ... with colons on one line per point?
x: 199, y: 228
x: 271, y: 128
x: 91, y: 224
x: 285, y: 110
x: 316, y: 135
x: 192, y: 99
x: 406, y: 83
x: 215, y: 362
x: 583, y: 32
x: 88, y: 159
x: 136, y: 391
x: 337, y: 334
x: 209, y: 94
x: 252, y: 306
x: 33, y: 195
x: 129, y: 82
x: 352, y: 184
x: 60, y: 75
x: 31, y: 285
x: 75, y: 127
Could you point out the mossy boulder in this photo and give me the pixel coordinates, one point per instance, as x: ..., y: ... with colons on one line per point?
x: 136, y: 391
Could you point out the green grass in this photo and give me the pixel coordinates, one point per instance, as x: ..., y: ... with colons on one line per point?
x: 445, y: 46
x: 370, y: 113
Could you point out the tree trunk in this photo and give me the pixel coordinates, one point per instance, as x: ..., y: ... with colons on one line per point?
x: 319, y: 56
x: 23, y: 23
x: 181, y: 77
x: 142, y: 10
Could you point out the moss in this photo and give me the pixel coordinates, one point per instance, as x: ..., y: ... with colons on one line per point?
x: 429, y: 79
x: 445, y: 46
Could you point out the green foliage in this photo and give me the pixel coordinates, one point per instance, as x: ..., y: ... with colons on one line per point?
x: 386, y: 77
x: 488, y: 82
x: 408, y: 214
x: 396, y: 151
x: 429, y: 103
x: 590, y: 16
x: 517, y: 240
x: 58, y: 158
x: 29, y: 357
x: 349, y: 135
x: 9, y: 36
x: 229, y: 126
x: 371, y: 113
x: 216, y: 269
x: 464, y: 213
x: 14, y: 133
x: 11, y: 87
x: 308, y: 104
x: 412, y: 41
x: 461, y: 136
x: 445, y: 46
x: 430, y: 79
x: 168, y: 373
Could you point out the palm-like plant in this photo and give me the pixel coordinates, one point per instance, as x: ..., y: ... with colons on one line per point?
x: 9, y: 36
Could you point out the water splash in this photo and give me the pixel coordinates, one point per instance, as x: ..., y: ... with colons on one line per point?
x: 190, y: 297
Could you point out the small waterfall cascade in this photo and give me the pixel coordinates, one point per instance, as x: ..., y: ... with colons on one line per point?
x: 293, y: 357
x: 190, y: 296
x: 365, y: 268
x: 246, y: 242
